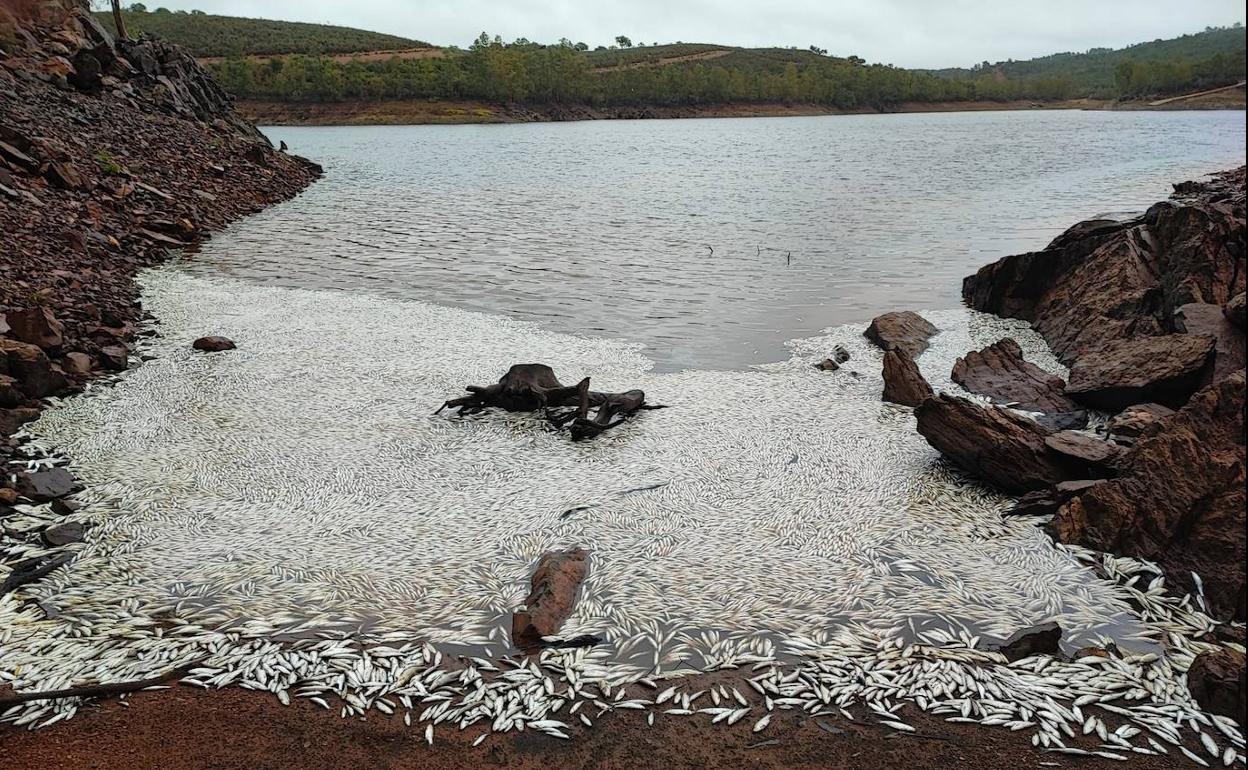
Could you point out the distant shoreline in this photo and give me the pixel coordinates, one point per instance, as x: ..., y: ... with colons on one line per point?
x: 440, y: 112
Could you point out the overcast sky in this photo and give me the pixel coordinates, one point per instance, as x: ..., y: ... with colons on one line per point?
x: 908, y: 33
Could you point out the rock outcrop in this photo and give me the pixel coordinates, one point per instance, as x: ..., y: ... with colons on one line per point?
x: 1000, y: 372
x: 1179, y: 500
x: 903, y: 330
x: 1165, y: 369
x: 1216, y: 680
x: 1136, y: 422
x: 903, y: 382
x: 1104, y: 281
x: 1213, y: 321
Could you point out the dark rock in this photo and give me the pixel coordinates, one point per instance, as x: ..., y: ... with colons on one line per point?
x: 1000, y: 372
x: 64, y: 506
x: 905, y: 331
x: 1165, y: 370
x: 903, y: 382
x: 1102, y: 281
x: 1095, y: 455
x: 1208, y: 319
x: 1045, y: 502
x: 1234, y: 310
x: 77, y: 363
x: 10, y: 395
x: 214, y: 344
x: 1137, y: 421
x: 1076, y: 420
x: 42, y: 486
x: 64, y: 534
x: 1217, y: 682
x: 827, y: 365
x: 1179, y: 499
x: 30, y: 367
x: 115, y: 357
x: 555, y: 583
x: 37, y: 326
x: 13, y: 419
x: 1044, y: 639
x: 840, y: 354
x: 1090, y: 652
x: 65, y: 175
x: 1001, y: 447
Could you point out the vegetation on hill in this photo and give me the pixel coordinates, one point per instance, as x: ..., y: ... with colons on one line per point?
x: 300, y: 69
x: 208, y: 35
x: 1193, y: 62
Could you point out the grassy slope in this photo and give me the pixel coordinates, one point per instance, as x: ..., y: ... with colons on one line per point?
x: 208, y: 35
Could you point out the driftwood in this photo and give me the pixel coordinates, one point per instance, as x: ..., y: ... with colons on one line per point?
x: 97, y: 690
x: 31, y: 570
x: 530, y: 387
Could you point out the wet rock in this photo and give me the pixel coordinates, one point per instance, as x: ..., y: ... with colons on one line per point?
x: 1165, y: 369
x: 827, y: 365
x: 1090, y: 453
x: 903, y: 382
x: 840, y: 354
x: 1090, y: 652
x: 1137, y: 421
x: 36, y: 326
x: 214, y: 344
x: 1179, y: 499
x: 904, y: 330
x: 1208, y: 319
x: 63, y: 506
x: 1104, y: 280
x: 64, y: 534
x: 1000, y: 372
x: 1234, y: 310
x: 997, y: 445
x: 29, y: 366
x: 1217, y: 682
x: 1076, y: 420
x: 42, y: 486
x: 555, y: 584
x: 1046, y: 502
x: 1043, y: 639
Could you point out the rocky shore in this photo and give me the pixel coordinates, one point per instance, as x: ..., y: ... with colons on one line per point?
x: 1148, y: 313
x: 112, y: 154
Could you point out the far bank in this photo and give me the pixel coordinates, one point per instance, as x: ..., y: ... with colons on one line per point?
x: 448, y: 112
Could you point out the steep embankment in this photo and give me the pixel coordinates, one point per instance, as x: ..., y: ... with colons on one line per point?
x: 111, y: 154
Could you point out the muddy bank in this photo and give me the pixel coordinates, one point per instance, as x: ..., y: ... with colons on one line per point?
x: 112, y: 154
x: 187, y: 728
x: 424, y: 111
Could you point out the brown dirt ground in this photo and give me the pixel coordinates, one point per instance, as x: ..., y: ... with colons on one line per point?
x: 185, y: 728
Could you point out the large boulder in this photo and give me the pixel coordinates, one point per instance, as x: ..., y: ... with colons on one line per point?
x: 905, y: 330
x: 1179, y: 500
x: 1001, y: 447
x: 903, y: 382
x: 30, y: 368
x: 36, y: 326
x: 1104, y: 280
x: 1165, y: 369
x: 1000, y: 373
x: 1095, y: 456
x: 554, y: 587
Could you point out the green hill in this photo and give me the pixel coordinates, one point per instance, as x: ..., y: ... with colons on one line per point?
x: 1205, y: 59
x: 208, y: 35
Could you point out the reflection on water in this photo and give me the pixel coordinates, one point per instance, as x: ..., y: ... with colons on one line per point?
x: 710, y: 241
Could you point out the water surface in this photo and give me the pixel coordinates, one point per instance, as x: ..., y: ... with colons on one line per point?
x: 712, y: 241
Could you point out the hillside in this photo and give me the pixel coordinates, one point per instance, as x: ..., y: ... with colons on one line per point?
x: 1205, y: 59
x: 208, y: 35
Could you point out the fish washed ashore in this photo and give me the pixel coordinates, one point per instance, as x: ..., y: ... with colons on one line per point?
x: 289, y: 517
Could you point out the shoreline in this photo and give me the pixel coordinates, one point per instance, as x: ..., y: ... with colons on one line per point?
x: 470, y: 112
